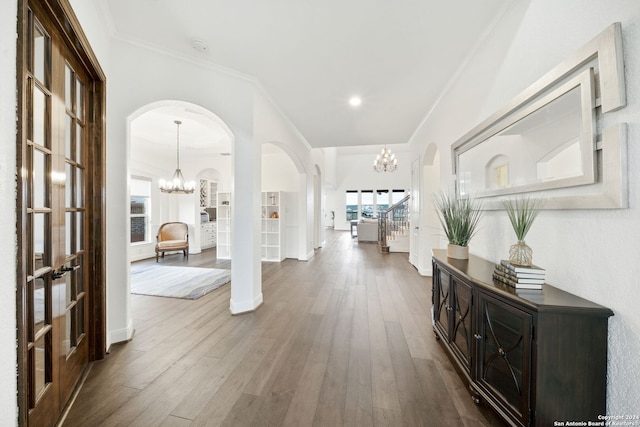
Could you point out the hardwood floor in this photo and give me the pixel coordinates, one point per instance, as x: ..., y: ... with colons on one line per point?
x: 344, y: 339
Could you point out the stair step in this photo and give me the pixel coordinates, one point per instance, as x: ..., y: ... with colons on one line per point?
x: 401, y: 244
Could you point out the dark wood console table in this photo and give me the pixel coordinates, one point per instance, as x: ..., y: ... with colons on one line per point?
x: 534, y: 356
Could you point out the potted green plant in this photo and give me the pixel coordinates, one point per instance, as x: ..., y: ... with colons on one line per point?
x: 459, y: 217
x: 522, y: 212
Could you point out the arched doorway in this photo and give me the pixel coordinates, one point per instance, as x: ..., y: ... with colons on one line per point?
x: 205, y: 144
x: 282, y: 170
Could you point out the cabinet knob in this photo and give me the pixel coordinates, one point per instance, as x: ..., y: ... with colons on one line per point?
x: 477, y: 336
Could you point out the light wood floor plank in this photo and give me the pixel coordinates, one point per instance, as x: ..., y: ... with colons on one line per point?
x: 344, y: 339
x: 383, y: 381
x: 359, y: 400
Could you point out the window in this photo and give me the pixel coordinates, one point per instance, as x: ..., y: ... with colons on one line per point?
x: 396, y: 196
x: 352, y: 205
x: 366, y: 203
x: 399, y: 214
x: 140, y: 209
x: 382, y: 201
x: 369, y: 203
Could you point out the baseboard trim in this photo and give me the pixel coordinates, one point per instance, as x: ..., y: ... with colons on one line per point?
x: 121, y: 335
x: 425, y: 271
x: 244, y: 307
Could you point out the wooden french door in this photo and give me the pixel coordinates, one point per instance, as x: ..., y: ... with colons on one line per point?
x: 55, y: 293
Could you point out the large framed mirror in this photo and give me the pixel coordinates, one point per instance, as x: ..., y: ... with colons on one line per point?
x: 550, y: 141
x: 548, y: 144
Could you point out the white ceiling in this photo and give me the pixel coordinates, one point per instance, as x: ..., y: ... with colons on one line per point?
x: 157, y: 131
x: 311, y: 56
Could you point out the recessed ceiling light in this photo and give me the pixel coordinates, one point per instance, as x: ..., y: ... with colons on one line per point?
x: 355, y: 101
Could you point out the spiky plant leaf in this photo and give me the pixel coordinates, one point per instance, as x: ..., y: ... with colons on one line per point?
x: 522, y: 212
x: 459, y: 217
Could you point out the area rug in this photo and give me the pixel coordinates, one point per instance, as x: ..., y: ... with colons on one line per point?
x: 176, y: 282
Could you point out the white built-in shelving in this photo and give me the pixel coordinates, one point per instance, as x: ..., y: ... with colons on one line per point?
x: 224, y: 226
x: 208, y: 193
x: 272, y: 226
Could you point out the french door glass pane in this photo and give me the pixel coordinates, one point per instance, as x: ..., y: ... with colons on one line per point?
x: 68, y: 87
x: 39, y: 53
x: 80, y: 326
x: 39, y: 117
x: 38, y: 304
x: 79, y: 99
x: 68, y: 197
x: 79, y: 276
x: 68, y: 232
x: 79, y: 187
x: 68, y: 288
x: 39, y: 176
x: 39, y: 243
x: 68, y: 123
x: 39, y: 360
x: 79, y: 231
x: 79, y: 144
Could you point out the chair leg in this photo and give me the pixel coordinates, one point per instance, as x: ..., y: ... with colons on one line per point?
x: 156, y: 255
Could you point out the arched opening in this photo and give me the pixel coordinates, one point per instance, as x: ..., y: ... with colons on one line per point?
x: 284, y: 172
x: 205, y: 144
x: 200, y: 147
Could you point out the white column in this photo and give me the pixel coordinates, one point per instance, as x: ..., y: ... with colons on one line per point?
x: 246, y: 268
x: 305, y: 218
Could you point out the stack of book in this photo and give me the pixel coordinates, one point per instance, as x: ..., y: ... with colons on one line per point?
x: 518, y: 276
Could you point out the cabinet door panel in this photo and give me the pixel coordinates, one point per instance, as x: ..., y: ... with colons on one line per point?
x: 441, y: 303
x: 504, y: 354
x: 461, y: 334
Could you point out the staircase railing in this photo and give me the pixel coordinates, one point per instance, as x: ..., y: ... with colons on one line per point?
x: 392, y: 222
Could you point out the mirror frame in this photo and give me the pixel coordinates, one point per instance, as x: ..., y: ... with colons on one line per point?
x: 587, y: 133
x: 598, y: 68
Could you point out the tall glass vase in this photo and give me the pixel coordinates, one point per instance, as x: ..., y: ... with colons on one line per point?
x: 521, y: 254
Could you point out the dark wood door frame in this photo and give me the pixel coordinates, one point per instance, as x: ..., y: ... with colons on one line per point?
x: 66, y: 25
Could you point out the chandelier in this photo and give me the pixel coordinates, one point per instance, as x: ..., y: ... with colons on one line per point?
x: 177, y: 184
x: 385, y: 161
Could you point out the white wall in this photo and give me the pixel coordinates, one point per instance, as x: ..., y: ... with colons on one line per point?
x: 270, y: 127
x: 279, y: 173
x: 592, y: 253
x: 354, y: 172
x: 8, y: 355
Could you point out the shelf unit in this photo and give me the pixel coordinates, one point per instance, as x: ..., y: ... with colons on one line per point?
x: 208, y: 192
x: 224, y: 225
x: 271, y: 239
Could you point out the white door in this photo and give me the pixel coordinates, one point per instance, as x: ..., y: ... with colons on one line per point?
x: 414, y: 218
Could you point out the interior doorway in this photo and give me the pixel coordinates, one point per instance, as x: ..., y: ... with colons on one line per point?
x: 429, y: 224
